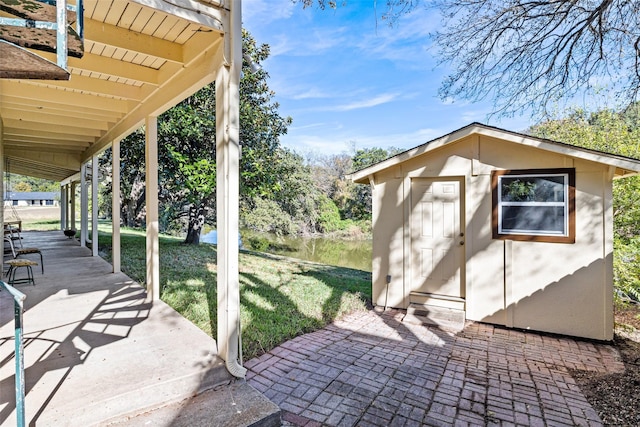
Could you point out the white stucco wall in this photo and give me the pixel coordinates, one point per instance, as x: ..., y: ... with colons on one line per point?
x: 552, y: 287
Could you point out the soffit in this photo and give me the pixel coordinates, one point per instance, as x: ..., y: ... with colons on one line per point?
x: 141, y: 57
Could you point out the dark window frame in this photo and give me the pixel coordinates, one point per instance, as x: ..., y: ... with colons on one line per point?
x: 569, y: 231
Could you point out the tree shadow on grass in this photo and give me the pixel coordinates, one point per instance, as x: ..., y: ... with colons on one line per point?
x: 271, y: 315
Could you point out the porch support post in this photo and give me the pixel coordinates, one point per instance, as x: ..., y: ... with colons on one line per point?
x: 94, y: 205
x: 63, y: 206
x: 151, y: 178
x: 2, y: 190
x: 84, y: 206
x: 71, y: 213
x: 115, y: 205
x: 227, y: 185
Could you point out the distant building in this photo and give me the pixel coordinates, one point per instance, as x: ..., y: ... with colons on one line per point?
x: 32, y: 198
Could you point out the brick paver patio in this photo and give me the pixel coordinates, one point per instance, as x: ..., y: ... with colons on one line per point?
x: 370, y: 369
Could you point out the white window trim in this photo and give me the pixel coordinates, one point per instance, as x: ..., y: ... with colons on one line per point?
x: 565, y: 204
x: 568, y: 235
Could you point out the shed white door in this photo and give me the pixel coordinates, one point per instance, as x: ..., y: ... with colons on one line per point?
x: 436, y: 241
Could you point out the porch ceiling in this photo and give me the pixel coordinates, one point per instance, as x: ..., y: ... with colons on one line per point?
x: 141, y: 57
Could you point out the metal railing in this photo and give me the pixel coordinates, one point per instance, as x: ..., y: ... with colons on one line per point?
x: 18, y: 303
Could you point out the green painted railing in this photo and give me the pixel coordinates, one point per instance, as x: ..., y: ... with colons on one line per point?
x: 18, y: 301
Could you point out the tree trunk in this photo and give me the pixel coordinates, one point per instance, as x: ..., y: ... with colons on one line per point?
x: 196, y: 222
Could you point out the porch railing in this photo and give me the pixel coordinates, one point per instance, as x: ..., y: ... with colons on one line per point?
x: 18, y: 301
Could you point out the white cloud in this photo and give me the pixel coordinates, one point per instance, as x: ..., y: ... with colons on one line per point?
x: 365, y: 103
x: 311, y: 93
x: 260, y: 13
x: 339, y: 142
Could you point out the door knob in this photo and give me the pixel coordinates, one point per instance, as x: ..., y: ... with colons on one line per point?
x: 461, y: 242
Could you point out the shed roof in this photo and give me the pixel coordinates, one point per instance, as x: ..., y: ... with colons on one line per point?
x: 32, y: 195
x: 624, y: 166
x: 141, y: 57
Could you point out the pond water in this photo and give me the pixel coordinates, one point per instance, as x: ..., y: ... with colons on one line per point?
x: 212, y: 238
x: 343, y: 253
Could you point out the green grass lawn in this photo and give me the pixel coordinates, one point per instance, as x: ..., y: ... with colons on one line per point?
x: 280, y: 298
x: 41, y: 225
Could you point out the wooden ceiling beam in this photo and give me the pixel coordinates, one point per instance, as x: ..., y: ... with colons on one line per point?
x: 15, y: 139
x: 15, y: 133
x: 56, y: 119
x: 93, y: 86
x: 122, y: 38
x: 44, y: 107
x: 36, y: 93
x: 195, y: 12
x: 109, y: 67
x: 10, y: 124
x: 23, y: 147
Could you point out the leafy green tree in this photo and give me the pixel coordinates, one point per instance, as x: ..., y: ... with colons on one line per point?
x: 186, y: 140
x: 21, y: 183
x: 132, y: 179
x: 22, y: 186
x: 261, y: 126
x: 329, y: 173
x: 616, y: 133
x: 186, y: 135
x: 359, y: 205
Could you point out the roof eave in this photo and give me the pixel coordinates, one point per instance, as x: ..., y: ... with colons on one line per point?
x: 624, y: 166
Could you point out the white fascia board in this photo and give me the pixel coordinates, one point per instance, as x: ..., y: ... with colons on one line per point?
x: 209, y: 15
x: 362, y: 175
x: 565, y: 149
x: 624, y: 166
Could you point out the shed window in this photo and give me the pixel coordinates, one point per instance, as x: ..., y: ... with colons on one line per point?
x: 535, y: 205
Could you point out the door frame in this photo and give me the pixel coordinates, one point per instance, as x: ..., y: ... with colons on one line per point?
x: 461, y: 179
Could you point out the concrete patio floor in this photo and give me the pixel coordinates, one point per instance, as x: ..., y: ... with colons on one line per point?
x: 97, y: 352
x: 373, y: 369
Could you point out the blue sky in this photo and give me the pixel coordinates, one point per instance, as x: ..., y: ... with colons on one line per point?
x: 346, y: 78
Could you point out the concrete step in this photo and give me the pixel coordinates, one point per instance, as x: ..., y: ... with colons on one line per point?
x: 446, y: 318
x: 437, y: 300
x: 237, y: 404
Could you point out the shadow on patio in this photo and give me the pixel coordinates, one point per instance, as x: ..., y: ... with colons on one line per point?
x: 96, y: 351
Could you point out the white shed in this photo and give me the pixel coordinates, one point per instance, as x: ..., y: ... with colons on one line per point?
x: 502, y: 227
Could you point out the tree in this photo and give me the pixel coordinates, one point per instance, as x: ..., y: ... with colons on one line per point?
x: 530, y: 53
x: 186, y: 135
x: 132, y: 179
x: 261, y: 126
x: 359, y: 205
x: 616, y: 133
x: 22, y: 183
x: 329, y: 176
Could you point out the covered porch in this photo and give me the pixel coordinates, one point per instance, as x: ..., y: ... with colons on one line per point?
x: 99, y: 352
x: 136, y: 59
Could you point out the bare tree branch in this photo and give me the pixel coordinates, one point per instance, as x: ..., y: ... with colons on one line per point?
x: 529, y: 54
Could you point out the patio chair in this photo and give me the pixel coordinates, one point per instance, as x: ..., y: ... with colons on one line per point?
x: 14, y: 264
x: 12, y: 229
x: 16, y: 252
